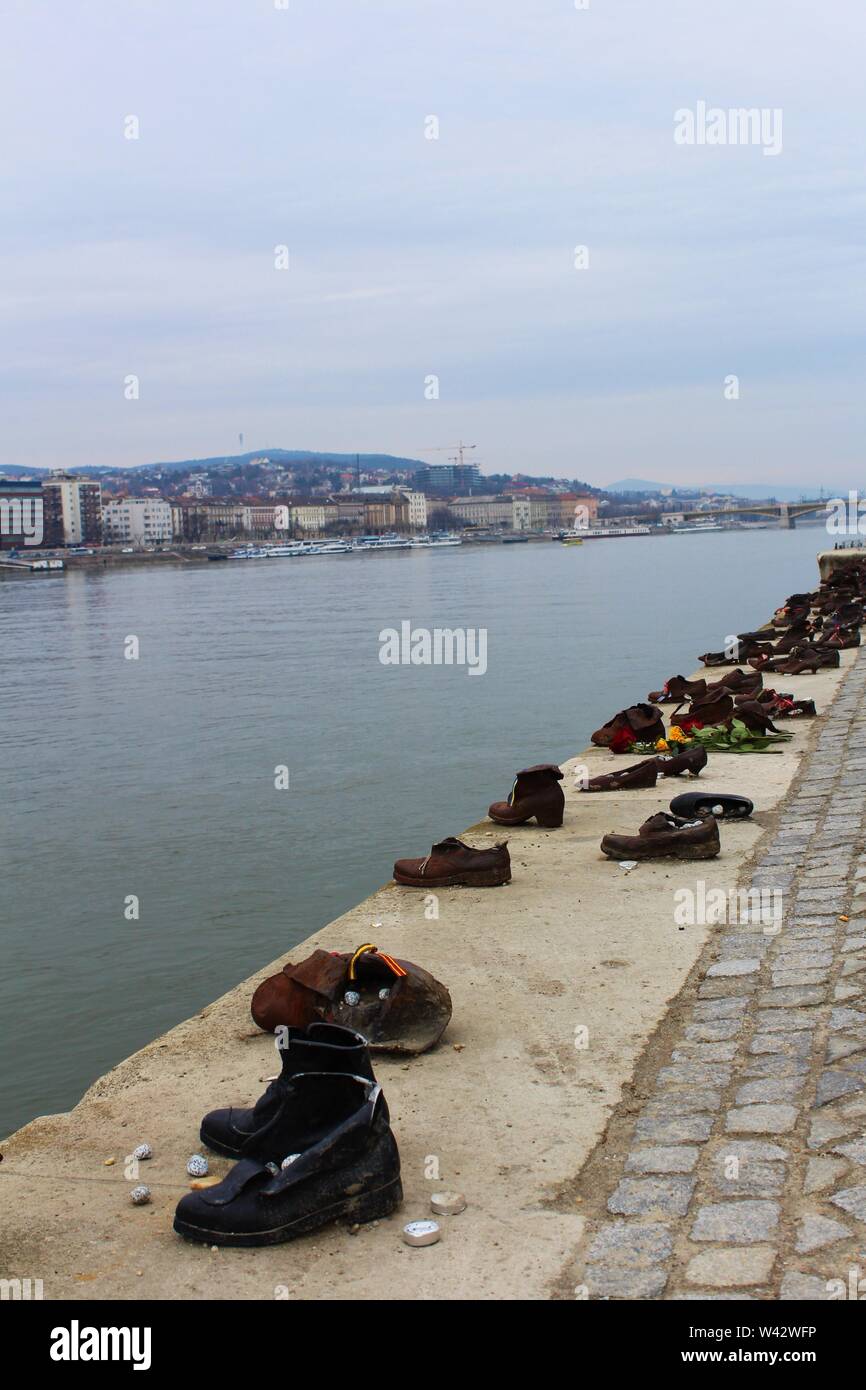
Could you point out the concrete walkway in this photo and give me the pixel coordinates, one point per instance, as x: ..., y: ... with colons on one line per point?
x: 739, y: 1168
x: 589, y: 1026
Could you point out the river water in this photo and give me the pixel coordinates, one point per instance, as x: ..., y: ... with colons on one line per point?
x: 154, y: 777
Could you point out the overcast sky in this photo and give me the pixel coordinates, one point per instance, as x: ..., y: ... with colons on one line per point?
x: 412, y: 257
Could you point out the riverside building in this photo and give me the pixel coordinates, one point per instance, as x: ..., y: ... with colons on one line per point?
x: 73, y: 510
x: 137, y: 521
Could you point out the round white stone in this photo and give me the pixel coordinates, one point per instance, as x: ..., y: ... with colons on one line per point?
x: 447, y: 1203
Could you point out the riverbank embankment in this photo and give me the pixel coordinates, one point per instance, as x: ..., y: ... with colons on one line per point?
x: 560, y: 982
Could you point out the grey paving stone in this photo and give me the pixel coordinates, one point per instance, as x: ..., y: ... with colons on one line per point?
x: 668, y: 1103
x: 749, y: 1179
x: 761, y: 1119
x: 856, y: 1150
x: 843, y: 1020
x: 716, y: 1030
x: 799, y: 977
x: 752, y: 1150
x: 704, y: 1052
x: 695, y: 1074
x: 786, y: 1020
x: 769, y: 1090
x: 797, y: 1286
x: 792, y: 944
x: 679, y: 1158
x: 733, y: 1007
x: 724, y: 1269
x: 736, y: 1223
x: 712, y: 1298
x: 738, y: 937
x: 833, y: 1084
x: 831, y: 1125
x: 678, y: 1129
x: 631, y: 1242
x: 721, y: 989
x: 644, y: 1196
x: 802, y: 960
x: 844, y: 992
x: 852, y: 1200
x: 814, y: 1232
x: 791, y: 996
x: 734, y: 967
x: 787, y: 1044
x: 617, y: 1281
x: 775, y: 1064
x: 822, y: 1172
x: 839, y: 1046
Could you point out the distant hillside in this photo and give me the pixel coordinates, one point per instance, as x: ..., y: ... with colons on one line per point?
x: 290, y: 456
x: 287, y: 456
x: 760, y: 491
x: 635, y: 485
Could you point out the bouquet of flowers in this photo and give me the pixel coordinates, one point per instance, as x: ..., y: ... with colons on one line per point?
x: 721, y: 738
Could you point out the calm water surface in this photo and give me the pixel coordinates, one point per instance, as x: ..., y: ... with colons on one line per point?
x: 155, y: 777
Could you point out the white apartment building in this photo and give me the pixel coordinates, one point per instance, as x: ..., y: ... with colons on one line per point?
x: 311, y: 516
x: 417, y: 509
x: 137, y: 521
x: 73, y: 508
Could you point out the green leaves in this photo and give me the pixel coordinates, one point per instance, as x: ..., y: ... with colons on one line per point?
x: 737, y: 739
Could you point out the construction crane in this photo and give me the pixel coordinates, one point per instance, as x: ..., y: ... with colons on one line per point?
x: 446, y: 448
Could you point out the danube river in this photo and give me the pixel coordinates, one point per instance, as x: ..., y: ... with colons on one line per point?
x: 155, y: 779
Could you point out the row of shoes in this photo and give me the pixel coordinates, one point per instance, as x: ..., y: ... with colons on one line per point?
x: 317, y: 1146
x: 807, y: 633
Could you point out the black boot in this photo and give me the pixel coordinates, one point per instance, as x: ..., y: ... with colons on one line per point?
x: 341, y: 1160
x: 322, y: 1047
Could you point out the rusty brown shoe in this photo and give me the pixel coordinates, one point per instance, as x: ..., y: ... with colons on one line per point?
x: 692, y: 760
x: 643, y: 774
x: 677, y: 690
x: 536, y: 792
x: 451, y: 863
x: 637, y: 724
x: 666, y: 837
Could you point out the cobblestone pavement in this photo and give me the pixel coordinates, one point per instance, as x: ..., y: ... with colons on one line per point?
x: 742, y: 1171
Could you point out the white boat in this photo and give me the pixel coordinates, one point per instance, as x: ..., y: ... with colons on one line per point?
x: 382, y: 543
x: 331, y: 548
x: 279, y: 552
x: 611, y: 532
x: 697, y: 526
x: 249, y: 552
x: 434, y: 542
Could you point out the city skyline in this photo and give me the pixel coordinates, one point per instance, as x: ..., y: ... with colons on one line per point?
x: 151, y: 197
